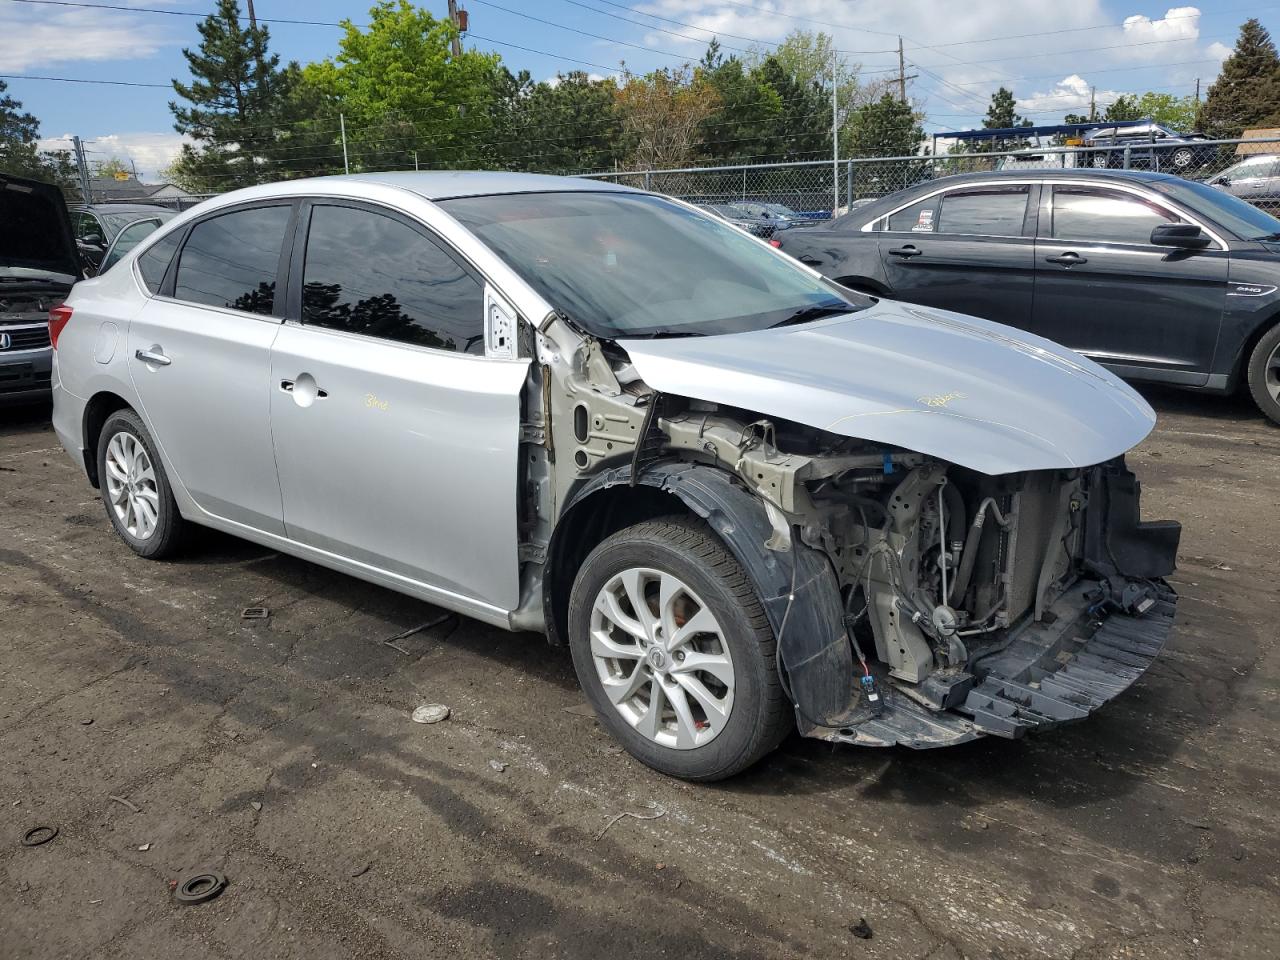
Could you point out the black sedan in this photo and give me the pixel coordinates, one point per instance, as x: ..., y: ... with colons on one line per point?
x: 1155, y: 277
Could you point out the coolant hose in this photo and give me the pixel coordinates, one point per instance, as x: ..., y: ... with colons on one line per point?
x: 960, y: 585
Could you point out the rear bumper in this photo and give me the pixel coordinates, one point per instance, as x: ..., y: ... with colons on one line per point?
x: 25, y: 376
x: 1050, y: 674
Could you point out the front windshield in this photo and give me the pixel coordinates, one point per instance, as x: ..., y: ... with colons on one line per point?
x: 633, y: 265
x: 1243, y: 219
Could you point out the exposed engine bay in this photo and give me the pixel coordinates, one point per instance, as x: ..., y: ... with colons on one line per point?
x: 915, y: 601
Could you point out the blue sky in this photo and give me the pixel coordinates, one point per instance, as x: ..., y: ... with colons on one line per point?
x: 1049, y: 52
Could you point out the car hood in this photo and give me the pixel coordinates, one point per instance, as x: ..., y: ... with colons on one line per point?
x: 36, y: 243
x: 974, y: 393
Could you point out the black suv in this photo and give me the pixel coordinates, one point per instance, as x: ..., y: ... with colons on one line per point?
x: 1155, y: 277
x: 38, y: 265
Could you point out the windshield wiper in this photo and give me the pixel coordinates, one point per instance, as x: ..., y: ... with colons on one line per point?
x: 816, y: 312
x: 1267, y: 236
x: 660, y: 334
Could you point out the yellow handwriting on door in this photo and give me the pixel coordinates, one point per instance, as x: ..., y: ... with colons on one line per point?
x: 374, y: 403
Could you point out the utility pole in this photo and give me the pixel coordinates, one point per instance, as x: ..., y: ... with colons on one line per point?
x: 342, y: 122
x: 456, y: 21
x: 253, y: 19
x: 1197, y: 91
x: 78, y: 145
x: 835, y: 138
x: 902, y: 74
x: 1093, y: 104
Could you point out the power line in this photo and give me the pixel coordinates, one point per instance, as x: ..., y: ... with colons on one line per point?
x: 174, y: 13
x: 113, y: 83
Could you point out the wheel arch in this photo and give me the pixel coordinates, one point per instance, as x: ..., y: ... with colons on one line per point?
x: 1239, y: 373
x: 814, y: 650
x: 100, y: 406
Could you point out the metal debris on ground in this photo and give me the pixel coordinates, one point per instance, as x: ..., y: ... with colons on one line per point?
x: 861, y: 929
x: 86, y: 721
x: 38, y: 835
x: 498, y: 765
x: 199, y: 888
x: 430, y: 713
x: 256, y: 805
x: 434, y: 622
x: 661, y: 812
x: 124, y: 801
x: 361, y: 870
x: 254, y: 613
x: 145, y: 847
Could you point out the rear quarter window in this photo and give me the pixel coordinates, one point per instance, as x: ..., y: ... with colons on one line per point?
x: 154, y: 262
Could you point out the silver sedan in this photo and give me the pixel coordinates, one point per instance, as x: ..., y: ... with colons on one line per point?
x: 747, y: 499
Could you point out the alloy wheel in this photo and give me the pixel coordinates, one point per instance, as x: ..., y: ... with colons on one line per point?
x: 661, y: 658
x: 131, y: 485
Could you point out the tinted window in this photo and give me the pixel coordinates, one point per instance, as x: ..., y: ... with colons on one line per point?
x: 917, y: 218
x: 231, y: 260
x: 128, y: 238
x: 986, y: 213
x: 155, y: 261
x: 86, y: 225
x: 1105, y: 216
x: 366, y: 273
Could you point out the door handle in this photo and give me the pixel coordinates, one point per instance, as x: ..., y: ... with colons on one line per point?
x: 286, y: 386
x: 907, y: 251
x: 304, y: 390
x: 1069, y: 259
x: 153, y: 356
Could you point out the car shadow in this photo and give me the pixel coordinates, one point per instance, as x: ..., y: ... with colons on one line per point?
x: 1235, y: 407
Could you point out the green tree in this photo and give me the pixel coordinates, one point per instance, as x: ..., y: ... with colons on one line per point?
x: 233, y: 104
x: 569, y: 126
x: 1002, y: 113
x: 112, y: 167
x: 886, y: 128
x: 403, y: 93
x: 1247, y: 91
x: 1125, y: 107
x: 1178, y: 113
x: 661, y: 115
x: 20, y: 153
x: 750, y: 109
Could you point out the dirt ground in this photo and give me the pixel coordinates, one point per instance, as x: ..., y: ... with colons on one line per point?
x: 281, y: 753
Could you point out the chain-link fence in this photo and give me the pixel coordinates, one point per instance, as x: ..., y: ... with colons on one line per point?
x: 1248, y: 168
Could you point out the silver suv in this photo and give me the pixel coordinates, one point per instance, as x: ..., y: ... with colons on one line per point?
x: 746, y: 498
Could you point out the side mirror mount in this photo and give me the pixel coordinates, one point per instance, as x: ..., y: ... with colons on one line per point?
x: 1186, y: 236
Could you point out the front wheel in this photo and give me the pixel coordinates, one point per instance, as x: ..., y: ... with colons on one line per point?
x: 1183, y: 159
x: 1264, y: 374
x: 674, y: 651
x: 135, y: 489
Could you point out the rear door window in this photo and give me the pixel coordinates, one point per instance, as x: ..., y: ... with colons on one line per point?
x: 985, y: 212
x: 154, y: 262
x: 1098, y: 215
x: 231, y: 260
x: 917, y: 218
x: 376, y: 275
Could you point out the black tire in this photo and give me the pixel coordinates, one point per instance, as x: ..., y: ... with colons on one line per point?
x: 760, y: 716
x: 1183, y: 158
x: 170, y: 531
x: 1264, y: 374
x: 1100, y: 161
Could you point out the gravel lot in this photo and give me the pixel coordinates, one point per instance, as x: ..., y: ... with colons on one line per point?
x: 280, y: 752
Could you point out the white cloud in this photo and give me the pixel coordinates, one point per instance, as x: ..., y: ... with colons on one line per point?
x: 1171, y: 37
x: 1069, y: 95
x: 149, y: 152
x: 554, y: 81
x: 36, y: 38
x: 1219, y: 51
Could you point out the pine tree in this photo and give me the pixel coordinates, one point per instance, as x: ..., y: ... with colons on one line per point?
x: 235, y: 100
x: 1002, y: 114
x: 1247, y: 91
x: 19, y: 153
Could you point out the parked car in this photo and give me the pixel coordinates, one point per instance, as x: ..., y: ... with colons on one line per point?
x: 784, y: 216
x: 746, y: 498
x: 1255, y: 179
x: 1149, y: 145
x: 763, y: 227
x: 1155, y: 277
x: 97, y: 226
x: 38, y: 265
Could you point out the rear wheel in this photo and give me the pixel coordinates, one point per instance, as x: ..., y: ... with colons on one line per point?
x: 1264, y: 374
x: 1183, y: 159
x: 1100, y: 160
x: 135, y: 490
x: 674, y: 651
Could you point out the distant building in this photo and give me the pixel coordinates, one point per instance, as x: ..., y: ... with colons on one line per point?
x: 1268, y: 134
x: 107, y: 189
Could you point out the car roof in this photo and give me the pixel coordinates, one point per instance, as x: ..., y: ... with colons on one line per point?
x: 448, y: 184
x: 121, y: 208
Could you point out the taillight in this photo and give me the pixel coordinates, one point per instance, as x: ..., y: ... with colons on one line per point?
x: 775, y: 243
x: 58, y: 318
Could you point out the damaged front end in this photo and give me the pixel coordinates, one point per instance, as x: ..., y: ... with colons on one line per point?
x: 915, y: 601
